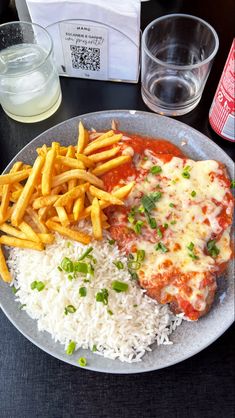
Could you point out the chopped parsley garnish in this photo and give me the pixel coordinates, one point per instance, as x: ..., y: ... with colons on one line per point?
x: 70, y: 277
x: 82, y: 292
x: 111, y: 241
x: 14, y: 290
x: 171, y: 205
x: 156, y: 169
x: 134, y: 275
x: 191, y: 246
x: 133, y: 265
x: 165, y: 225
x: 140, y: 255
x: 22, y: 306
x: 71, y: 347
x: 119, y: 286
x: 141, y: 209
x: 173, y: 222
x: 69, y: 244
x: 149, y: 201
x: 212, y: 249
x: 232, y: 185
x: 191, y: 254
x: 59, y: 268
x: 110, y: 312
x: 37, y: 285
x: 85, y: 254
x: 145, y: 158
x: 82, y: 361
x: 185, y: 172
x: 159, y: 232
x: 152, y: 221
x: 135, y: 306
x: 138, y: 227
x: 102, y: 296
x: 162, y: 247
x: 94, y: 348
x: 119, y: 264
x: 67, y: 265
x: 69, y: 309
x: 193, y: 193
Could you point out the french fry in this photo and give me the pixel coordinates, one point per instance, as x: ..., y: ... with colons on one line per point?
x: 27, y: 192
x: 42, y: 151
x: 15, y: 195
x: 108, y: 197
x: 47, y: 238
x: 21, y: 243
x: 77, y: 174
x: 101, y: 143
x: 15, y: 177
x: 6, y: 190
x: 29, y: 232
x: 42, y: 213
x: 85, y: 160
x: 56, y: 147
x: 78, y: 207
x: 89, y: 196
x: 42, y: 202
x: 69, y: 233
x: 10, y: 230
x: 72, y: 194
x: 37, y: 222
x: 62, y: 214
x: 104, y: 155
x: 111, y: 164
x: 70, y: 162
x: 4, y: 272
x: 123, y: 192
x: 96, y: 219
x: 48, y: 172
x: 82, y: 138
x: 104, y: 135
x: 105, y: 225
x: 7, y: 216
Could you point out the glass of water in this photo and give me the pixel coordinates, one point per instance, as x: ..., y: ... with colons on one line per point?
x: 177, y: 55
x: 29, y: 82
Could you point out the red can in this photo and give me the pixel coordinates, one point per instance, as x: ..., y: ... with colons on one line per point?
x: 222, y: 111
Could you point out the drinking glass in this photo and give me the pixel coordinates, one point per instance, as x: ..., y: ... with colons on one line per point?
x: 177, y: 55
x: 29, y: 82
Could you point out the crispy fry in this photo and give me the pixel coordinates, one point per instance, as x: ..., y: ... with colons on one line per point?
x: 48, y: 172
x: 123, y: 192
x: 89, y: 196
x: 21, y: 243
x: 47, y: 238
x: 72, y: 194
x: 109, y: 165
x: 44, y: 201
x: 4, y: 272
x: 7, y: 216
x: 6, y: 190
x: 63, y: 217
x: 96, y: 219
x: 35, y: 218
x: 71, y: 184
x: 85, y: 160
x: 104, y: 155
x: 77, y: 174
x: 42, y: 213
x: 10, y: 230
x: 104, y: 135
x: 105, y: 225
x: 27, y: 192
x: 108, y: 197
x: 70, y: 162
x: 101, y: 143
x: 15, y: 177
x: 78, y: 207
x: 42, y: 151
x: 15, y: 195
x: 29, y: 232
x: 69, y: 233
x: 82, y: 138
x: 17, y: 186
x: 55, y: 146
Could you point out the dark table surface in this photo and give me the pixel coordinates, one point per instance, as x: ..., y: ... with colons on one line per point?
x: 34, y: 384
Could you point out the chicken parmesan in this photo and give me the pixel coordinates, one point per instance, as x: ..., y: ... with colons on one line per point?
x: 175, y: 225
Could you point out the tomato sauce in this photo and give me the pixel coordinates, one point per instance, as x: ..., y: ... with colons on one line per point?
x: 139, y: 145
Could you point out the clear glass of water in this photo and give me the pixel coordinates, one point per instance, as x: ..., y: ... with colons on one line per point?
x: 29, y: 83
x: 177, y: 55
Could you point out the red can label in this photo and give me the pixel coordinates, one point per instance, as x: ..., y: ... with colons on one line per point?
x: 222, y: 111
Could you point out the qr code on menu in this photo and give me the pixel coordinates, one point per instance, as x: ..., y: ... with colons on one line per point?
x: 84, y: 58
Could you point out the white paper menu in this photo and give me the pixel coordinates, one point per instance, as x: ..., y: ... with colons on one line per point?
x: 95, y: 39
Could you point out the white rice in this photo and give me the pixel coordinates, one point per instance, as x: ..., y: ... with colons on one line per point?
x: 126, y: 335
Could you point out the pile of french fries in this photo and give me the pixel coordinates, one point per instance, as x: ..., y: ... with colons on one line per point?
x: 62, y: 187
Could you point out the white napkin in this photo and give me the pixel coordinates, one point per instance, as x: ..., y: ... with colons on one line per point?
x: 119, y: 20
